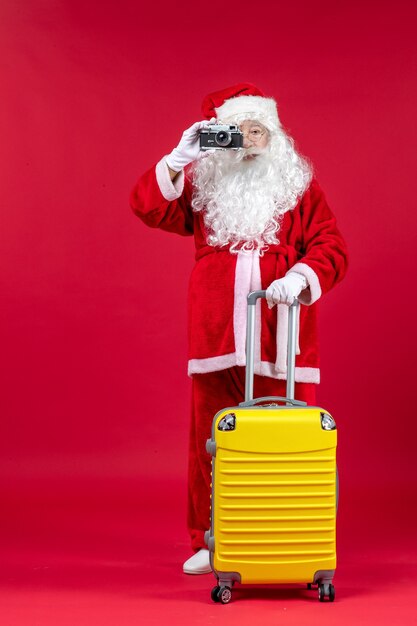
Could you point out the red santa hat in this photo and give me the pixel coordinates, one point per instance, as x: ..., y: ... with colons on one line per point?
x: 240, y: 102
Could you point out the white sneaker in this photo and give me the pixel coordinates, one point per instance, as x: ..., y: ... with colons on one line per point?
x: 199, y: 563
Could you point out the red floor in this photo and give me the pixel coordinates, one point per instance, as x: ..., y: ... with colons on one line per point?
x: 89, y: 556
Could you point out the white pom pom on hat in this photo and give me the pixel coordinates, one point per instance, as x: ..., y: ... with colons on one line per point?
x: 242, y: 101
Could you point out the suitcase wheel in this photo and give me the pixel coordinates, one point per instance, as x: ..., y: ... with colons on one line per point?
x: 214, y: 593
x: 221, y: 594
x: 326, y: 591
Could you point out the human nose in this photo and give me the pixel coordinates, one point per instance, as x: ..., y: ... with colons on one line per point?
x: 246, y: 141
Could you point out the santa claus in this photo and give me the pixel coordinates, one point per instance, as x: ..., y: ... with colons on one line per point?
x: 260, y: 221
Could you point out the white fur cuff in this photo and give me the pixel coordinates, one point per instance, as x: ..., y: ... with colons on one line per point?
x: 308, y: 296
x: 169, y: 189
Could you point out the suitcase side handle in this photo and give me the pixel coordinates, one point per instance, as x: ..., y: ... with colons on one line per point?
x: 273, y: 399
x: 250, y: 345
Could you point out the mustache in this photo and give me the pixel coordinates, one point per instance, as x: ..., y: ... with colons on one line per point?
x: 242, y: 153
x: 231, y: 158
x: 253, y: 150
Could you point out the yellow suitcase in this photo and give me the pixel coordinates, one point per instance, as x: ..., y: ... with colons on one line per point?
x: 274, y: 487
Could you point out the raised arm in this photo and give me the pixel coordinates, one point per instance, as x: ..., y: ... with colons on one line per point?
x: 162, y: 196
x: 162, y: 203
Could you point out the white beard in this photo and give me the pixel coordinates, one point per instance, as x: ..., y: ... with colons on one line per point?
x: 244, y: 198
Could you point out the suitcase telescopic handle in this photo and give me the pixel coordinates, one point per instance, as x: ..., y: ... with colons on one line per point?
x: 250, y: 345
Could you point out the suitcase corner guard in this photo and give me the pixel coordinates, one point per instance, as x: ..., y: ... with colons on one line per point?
x: 211, y: 447
x: 209, y: 540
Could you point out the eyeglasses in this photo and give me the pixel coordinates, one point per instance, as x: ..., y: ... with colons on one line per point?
x: 254, y: 135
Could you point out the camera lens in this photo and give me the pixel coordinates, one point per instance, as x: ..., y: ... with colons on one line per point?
x: 223, y: 138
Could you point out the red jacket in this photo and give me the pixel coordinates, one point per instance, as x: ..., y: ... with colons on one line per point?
x: 310, y: 243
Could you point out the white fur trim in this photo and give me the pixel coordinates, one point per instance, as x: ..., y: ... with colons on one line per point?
x: 242, y: 288
x: 217, y: 363
x: 256, y: 107
x: 211, y: 364
x: 247, y: 279
x: 282, y: 337
x: 256, y: 285
x: 308, y: 296
x: 302, y: 374
x: 169, y: 189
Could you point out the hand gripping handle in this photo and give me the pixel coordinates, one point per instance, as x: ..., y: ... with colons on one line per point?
x: 250, y: 345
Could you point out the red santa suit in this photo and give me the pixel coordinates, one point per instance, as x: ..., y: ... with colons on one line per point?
x: 310, y: 243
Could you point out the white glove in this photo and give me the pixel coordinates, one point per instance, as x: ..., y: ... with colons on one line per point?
x: 286, y: 290
x: 188, y: 149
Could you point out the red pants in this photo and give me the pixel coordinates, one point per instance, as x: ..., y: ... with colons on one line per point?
x: 210, y: 393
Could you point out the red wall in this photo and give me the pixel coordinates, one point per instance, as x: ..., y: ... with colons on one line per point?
x: 93, y: 304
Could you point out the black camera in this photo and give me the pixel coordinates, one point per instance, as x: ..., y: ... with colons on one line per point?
x: 220, y: 137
